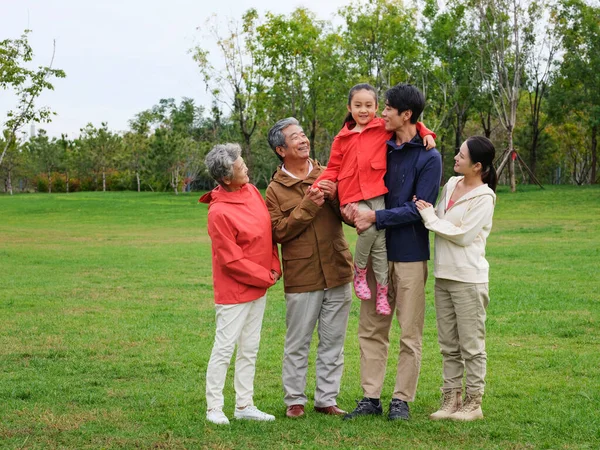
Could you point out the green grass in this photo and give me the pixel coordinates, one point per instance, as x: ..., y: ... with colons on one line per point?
x: 107, y: 321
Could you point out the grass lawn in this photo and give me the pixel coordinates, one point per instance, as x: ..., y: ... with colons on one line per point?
x: 107, y: 322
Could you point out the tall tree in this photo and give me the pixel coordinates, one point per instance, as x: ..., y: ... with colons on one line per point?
x: 577, y: 86
x: 239, y: 85
x: 26, y: 84
x: 504, y: 33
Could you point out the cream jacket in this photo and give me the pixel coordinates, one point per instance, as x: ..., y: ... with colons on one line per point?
x: 461, y: 233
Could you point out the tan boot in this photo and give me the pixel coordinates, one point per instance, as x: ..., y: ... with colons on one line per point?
x: 451, y: 402
x: 471, y: 408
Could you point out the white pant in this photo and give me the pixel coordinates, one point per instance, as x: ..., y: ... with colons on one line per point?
x: 236, y: 324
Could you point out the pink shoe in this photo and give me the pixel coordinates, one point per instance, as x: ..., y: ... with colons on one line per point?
x: 360, y: 283
x: 382, y: 306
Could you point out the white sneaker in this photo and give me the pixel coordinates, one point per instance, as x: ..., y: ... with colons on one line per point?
x: 252, y: 413
x: 217, y: 416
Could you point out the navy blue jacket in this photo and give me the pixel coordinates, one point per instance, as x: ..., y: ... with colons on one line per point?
x: 411, y: 170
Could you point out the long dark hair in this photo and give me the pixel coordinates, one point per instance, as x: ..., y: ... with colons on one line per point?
x: 356, y: 88
x: 481, y: 150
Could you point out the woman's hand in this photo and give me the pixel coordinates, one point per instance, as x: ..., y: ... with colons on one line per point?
x: 422, y: 204
x: 275, y: 276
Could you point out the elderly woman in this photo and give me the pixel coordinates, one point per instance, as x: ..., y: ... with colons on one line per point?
x: 245, y: 264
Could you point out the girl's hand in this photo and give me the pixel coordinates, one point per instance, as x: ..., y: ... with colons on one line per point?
x: 429, y: 142
x: 422, y: 204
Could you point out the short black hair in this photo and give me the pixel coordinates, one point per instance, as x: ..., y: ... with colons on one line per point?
x: 404, y: 97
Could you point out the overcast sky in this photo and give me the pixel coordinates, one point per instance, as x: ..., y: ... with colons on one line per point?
x: 122, y: 56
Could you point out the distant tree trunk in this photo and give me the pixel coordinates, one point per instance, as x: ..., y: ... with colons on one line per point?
x: 103, y: 180
x: 49, y: 182
x: 594, y: 153
x: 137, y: 177
x: 67, y: 180
x: 511, y: 161
x: 9, y: 182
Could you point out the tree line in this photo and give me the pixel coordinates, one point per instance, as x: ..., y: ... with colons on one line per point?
x: 524, y: 73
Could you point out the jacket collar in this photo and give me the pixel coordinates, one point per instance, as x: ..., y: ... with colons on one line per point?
x: 415, y: 142
x: 219, y: 194
x: 484, y: 189
x: 283, y: 178
x: 345, y: 131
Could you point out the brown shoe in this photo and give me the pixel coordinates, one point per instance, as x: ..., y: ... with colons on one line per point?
x: 294, y: 411
x: 331, y: 410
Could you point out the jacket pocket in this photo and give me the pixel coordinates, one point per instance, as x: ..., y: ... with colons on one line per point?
x: 378, y: 165
x: 299, y: 266
x: 286, y: 207
x: 347, y: 172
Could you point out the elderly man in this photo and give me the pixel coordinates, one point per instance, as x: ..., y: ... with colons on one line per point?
x: 412, y: 172
x: 317, y: 269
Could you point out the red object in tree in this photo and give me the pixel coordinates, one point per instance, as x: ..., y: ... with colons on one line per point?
x: 513, y: 155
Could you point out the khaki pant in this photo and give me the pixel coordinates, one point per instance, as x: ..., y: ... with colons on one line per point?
x: 407, y: 297
x: 330, y: 308
x: 236, y: 324
x: 460, y: 314
x: 371, y: 243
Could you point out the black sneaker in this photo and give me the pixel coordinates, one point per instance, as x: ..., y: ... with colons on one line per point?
x: 398, y: 410
x: 365, y: 407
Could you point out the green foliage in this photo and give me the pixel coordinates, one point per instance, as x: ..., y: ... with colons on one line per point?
x: 25, y: 84
x: 108, y: 320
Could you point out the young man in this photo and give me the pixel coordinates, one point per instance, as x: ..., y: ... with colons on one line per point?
x: 412, y: 171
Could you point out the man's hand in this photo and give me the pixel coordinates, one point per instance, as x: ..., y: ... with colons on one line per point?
x: 429, y: 142
x: 275, y: 276
x: 329, y: 189
x: 364, y: 219
x: 349, y: 211
x: 316, y: 196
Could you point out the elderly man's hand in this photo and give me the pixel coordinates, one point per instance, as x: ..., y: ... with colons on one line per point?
x: 316, y: 196
x: 329, y: 189
x: 364, y: 219
x: 349, y: 211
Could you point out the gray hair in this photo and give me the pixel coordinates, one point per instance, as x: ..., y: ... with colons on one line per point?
x: 276, y: 137
x: 219, y: 161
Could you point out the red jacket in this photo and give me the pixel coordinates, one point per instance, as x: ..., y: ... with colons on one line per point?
x: 358, y: 161
x: 243, y: 252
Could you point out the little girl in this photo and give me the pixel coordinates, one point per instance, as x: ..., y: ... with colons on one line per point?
x: 358, y: 163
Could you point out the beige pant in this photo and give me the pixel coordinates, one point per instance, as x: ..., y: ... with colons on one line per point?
x: 407, y: 295
x: 236, y: 324
x: 460, y: 314
x: 371, y: 242
x: 330, y: 308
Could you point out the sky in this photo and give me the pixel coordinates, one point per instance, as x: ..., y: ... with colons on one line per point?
x: 122, y: 56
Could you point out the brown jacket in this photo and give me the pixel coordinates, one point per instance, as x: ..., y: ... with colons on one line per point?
x: 313, y: 247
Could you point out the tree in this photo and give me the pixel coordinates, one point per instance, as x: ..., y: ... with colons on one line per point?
x: 577, y: 86
x: 46, y: 155
x: 381, y: 44
x: 239, y: 84
x: 101, y: 146
x: 505, y: 30
x: 27, y: 85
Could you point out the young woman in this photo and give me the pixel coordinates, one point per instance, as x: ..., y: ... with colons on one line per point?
x: 358, y: 163
x: 462, y: 222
